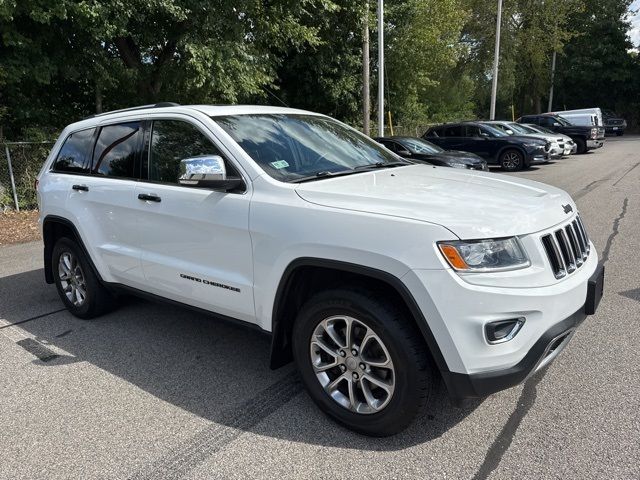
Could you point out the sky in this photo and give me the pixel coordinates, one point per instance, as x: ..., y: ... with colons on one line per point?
x: 635, y: 24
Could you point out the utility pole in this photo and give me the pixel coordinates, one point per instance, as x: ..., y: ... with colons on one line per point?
x: 496, y: 62
x: 366, y: 99
x: 553, y: 76
x: 381, y: 68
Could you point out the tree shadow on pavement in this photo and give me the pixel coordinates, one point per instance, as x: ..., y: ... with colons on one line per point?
x: 213, y: 369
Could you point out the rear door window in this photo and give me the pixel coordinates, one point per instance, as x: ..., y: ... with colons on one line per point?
x: 453, y: 131
x: 117, y: 151
x: 73, y: 156
x: 472, y: 131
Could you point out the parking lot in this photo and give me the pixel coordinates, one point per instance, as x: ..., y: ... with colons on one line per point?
x: 153, y: 391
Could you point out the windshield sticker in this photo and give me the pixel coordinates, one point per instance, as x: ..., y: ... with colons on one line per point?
x: 279, y: 164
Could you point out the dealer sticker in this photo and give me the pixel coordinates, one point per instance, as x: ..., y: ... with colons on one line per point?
x: 279, y: 164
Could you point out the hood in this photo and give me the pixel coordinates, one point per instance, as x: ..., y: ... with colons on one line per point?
x: 462, y: 157
x: 526, y: 139
x: 472, y: 205
x: 450, y: 156
x: 547, y: 137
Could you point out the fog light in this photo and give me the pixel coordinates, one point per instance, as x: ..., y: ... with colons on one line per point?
x: 503, y: 330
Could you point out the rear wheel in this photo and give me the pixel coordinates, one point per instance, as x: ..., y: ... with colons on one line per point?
x: 512, y: 160
x: 582, y: 146
x: 78, y: 286
x: 362, y: 361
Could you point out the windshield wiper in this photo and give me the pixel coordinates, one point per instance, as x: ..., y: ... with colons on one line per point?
x: 359, y: 169
x: 376, y: 165
x: 321, y: 175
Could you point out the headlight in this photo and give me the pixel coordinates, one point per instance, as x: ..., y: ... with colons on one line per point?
x: 485, y: 255
x: 594, y: 133
x: 533, y: 145
x: 459, y: 165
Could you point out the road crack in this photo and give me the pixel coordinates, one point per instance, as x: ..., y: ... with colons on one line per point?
x: 615, y: 231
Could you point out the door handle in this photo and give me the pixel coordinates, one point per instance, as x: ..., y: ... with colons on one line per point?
x: 80, y: 188
x: 150, y: 197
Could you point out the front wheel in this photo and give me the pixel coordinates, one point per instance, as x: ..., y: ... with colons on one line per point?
x: 362, y: 361
x: 512, y: 160
x: 582, y: 146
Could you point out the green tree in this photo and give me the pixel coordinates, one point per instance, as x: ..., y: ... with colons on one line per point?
x: 597, y: 67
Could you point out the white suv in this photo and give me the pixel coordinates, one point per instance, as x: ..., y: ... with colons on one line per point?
x: 376, y: 275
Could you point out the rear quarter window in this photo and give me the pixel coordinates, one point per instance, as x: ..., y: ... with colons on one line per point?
x: 73, y: 156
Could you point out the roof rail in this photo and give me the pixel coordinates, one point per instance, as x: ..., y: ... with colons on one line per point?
x: 141, y: 107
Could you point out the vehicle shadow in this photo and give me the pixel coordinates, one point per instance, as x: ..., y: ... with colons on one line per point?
x: 215, y: 370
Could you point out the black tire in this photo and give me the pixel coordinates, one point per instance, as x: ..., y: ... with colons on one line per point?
x: 582, y: 146
x: 619, y: 134
x: 512, y: 160
x: 97, y: 299
x: 414, y: 373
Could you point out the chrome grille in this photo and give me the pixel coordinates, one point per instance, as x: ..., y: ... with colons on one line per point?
x: 567, y: 248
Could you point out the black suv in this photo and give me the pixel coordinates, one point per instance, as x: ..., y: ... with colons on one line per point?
x: 495, y: 146
x: 586, y: 138
x: 613, y: 123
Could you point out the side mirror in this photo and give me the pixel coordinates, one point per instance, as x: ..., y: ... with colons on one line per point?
x: 207, y: 171
x: 556, y: 124
x: 509, y: 131
x: 404, y: 153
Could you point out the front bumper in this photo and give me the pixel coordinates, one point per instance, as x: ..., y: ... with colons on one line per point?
x: 458, y: 312
x: 549, y: 345
x: 543, y: 352
x: 594, y: 144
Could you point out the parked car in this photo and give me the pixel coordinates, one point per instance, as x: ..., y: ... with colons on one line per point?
x: 419, y: 150
x: 589, y: 117
x: 613, y: 123
x: 557, y: 149
x: 570, y: 146
x: 586, y: 138
x: 512, y: 153
x: 375, y: 275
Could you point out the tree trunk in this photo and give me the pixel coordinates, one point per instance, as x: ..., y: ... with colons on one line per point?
x: 98, y: 98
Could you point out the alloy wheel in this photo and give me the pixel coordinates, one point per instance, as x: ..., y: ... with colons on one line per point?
x: 72, y: 279
x: 352, y: 364
x: 511, y: 160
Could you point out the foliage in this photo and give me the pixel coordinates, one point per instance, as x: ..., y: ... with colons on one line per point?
x: 597, y: 67
x: 63, y: 60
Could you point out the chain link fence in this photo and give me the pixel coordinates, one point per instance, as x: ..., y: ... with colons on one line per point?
x: 20, y: 163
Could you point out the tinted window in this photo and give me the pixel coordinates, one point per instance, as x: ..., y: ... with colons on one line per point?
x: 291, y: 147
x: 394, y: 147
x: 416, y: 145
x: 529, y: 120
x: 473, y: 131
x: 117, y: 150
x: 434, y: 132
x: 453, y: 131
x: 73, y: 153
x: 546, y: 121
x: 173, y: 141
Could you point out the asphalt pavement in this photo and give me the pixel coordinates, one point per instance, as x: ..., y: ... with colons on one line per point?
x: 152, y: 391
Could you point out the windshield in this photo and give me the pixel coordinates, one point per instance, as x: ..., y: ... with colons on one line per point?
x: 496, y: 132
x: 418, y: 146
x: 529, y: 128
x: 539, y: 128
x: 517, y: 128
x: 562, y: 121
x: 293, y: 147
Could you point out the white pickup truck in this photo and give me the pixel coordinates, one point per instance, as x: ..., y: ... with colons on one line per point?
x: 376, y: 275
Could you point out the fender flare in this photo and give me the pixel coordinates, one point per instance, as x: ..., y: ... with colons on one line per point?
x: 280, y: 343
x: 49, y: 243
